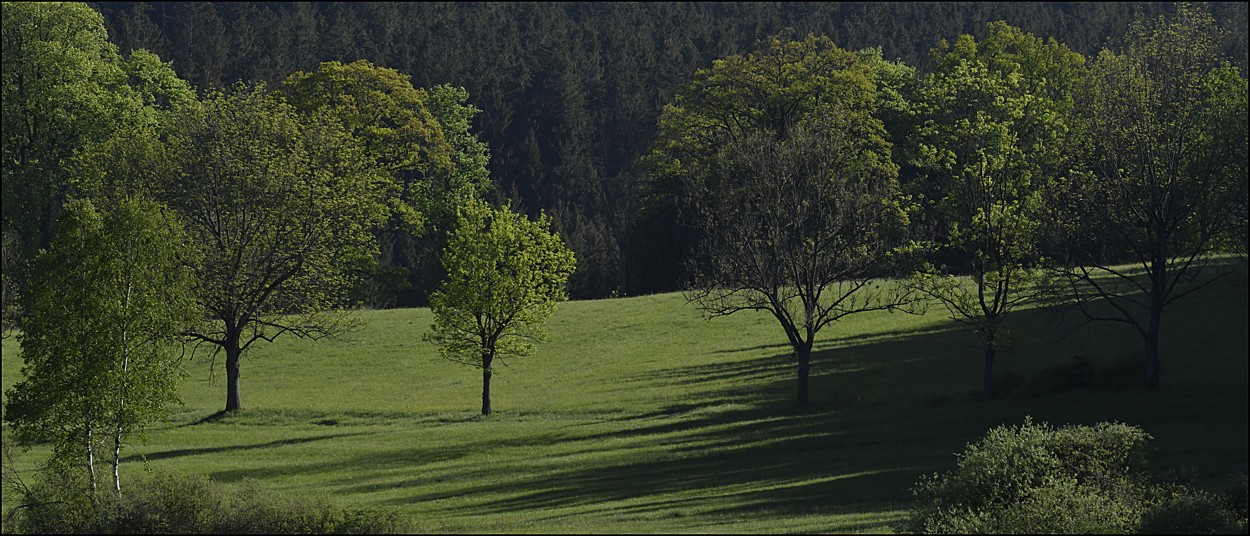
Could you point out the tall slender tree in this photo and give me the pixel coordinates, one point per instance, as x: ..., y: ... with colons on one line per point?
x: 99, y: 345
x: 999, y: 111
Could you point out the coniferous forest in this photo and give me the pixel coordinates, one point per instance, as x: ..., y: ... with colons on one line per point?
x: 570, y: 92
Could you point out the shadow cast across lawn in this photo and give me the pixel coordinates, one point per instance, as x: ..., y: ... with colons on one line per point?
x: 886, y: 409
x: 175, y: 453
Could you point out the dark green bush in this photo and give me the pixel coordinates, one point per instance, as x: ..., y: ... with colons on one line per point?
x: 186, y: 504
x: 59, y: 503
x: 1177, y: 509
x: 1236, y: 494
x: 1033, y: 478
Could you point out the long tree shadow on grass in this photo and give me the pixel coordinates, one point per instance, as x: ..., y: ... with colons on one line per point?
x: 889, y: 408
x: 175, y: 453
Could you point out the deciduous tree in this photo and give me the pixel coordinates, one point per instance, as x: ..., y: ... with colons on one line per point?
x: 279, y: 205
x: 1162, y: 174
x: 99, y: 344
x: 999, y: 111
x: 505, y: 274
x: 785, y: 173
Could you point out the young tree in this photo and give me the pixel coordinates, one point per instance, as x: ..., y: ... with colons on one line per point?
x: 505, y: 274
x: 279, y: 205
x: 998, y: 114
x: 1162, y: 173
x: 780, y: 165
x: 99, y: 343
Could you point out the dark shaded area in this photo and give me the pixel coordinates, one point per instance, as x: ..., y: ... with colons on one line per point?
x: 235, y: 448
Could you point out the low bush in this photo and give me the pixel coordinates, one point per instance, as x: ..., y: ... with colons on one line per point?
x: 185, y: 504
x: 1034, y: 479
x: 1177, y: 509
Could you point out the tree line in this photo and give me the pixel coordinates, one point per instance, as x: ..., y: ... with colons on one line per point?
x: 570, y: 92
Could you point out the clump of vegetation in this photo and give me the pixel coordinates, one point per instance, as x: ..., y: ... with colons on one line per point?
x: 167, y: 503
x: 1074, y: 479
x: 1179, y: 509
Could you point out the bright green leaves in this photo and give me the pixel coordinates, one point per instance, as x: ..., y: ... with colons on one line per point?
x: 998, y: 113
x: 504, y: 275
x: 63, y: 88
x: 111, y: 297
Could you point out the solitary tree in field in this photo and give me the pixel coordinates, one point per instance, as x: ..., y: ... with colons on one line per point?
x: 1165, y: 145
x: 998, y: 115
x: 505, y: 274
x: 784, y: 171
x: 101, y: 361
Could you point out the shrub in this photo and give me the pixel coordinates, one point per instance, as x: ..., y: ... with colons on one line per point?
x: 1176, y: 509
x: 1237, y: 494
x: 59, y: 503
x: 186, y: 504
x: 1033, y: 478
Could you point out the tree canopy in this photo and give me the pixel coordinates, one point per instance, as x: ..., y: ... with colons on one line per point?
x: 505, y: 274
x: 99, y: 343
x: 779, y: 163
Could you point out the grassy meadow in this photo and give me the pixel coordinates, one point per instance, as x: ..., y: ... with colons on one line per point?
x: 640, y: 415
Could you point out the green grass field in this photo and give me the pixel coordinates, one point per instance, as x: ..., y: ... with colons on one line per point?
x: 641, y: 416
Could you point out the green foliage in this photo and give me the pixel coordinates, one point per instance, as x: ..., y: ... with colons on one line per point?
x: 157, y: 85
x: 111, y: 300
x: 169, y: 503
x: 1037, y: 479
x: 1177, y: 509
x: 379, y: 108
x: 64, y: 87
x: 468, y: 177
x: 993, y: 138
x: 505, y: 274
x: 422, y: 141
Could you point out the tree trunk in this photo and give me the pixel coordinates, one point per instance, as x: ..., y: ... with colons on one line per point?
x: 91, y: 460
x: 486, y: 360
x: 1152, y: 345
x: 804, y: 356
x: 121, y: 408
x: 988, y: 374
x: 233, y: 352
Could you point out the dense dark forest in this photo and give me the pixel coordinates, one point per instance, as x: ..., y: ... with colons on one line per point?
x: 570, y: 92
